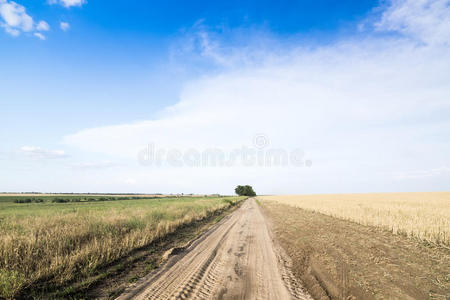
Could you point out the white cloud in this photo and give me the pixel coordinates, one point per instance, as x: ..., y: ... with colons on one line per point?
x: 43, y: 26
x: 15, y: 18
x: 360, y: 108
x: 420, y: 174
x: 94, y: 165
x: 11, y: 31
x: 68, y: 3
x: 40, y: 153
x: 39, y: 36
x: 426, y: 20
x: 64, y: 26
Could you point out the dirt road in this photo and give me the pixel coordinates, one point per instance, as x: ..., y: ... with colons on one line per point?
x: 234, y: 260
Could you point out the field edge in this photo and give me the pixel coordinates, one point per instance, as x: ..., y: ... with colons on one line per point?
x: 129, y: 269
x: 364, y: 263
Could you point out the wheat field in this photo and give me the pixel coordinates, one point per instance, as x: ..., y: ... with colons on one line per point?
x: 418, y: 215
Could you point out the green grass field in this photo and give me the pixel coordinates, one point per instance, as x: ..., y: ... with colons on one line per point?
x: 58, y: 242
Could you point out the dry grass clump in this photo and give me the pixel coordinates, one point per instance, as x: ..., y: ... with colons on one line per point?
x: 56, y: 243
x: 421, y: 215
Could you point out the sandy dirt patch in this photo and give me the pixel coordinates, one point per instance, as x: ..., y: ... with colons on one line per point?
x: 236, y: 259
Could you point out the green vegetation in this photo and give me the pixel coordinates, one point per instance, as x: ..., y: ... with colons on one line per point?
x: 245, y: 190
x: 69, y: 198
x: 58, y: 243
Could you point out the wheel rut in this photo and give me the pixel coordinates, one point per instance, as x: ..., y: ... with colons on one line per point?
x: 236, y: 259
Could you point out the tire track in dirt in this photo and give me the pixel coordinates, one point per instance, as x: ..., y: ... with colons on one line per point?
x: 236, y: 259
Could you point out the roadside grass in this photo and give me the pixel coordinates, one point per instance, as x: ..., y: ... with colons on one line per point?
x: 56, y: 243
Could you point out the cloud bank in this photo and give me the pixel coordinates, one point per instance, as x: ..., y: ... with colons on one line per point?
x: 364, y: 109
x: 40, y: 153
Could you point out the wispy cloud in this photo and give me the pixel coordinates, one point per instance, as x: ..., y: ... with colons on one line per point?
x: 40, y: 153
x: 420, y: 174
x: 424, y: 20
x: 43, y: 26
x: 11, y: 31
x: 94, y: 165
x: 39, y: 36
x: 68, y: 3
x: 64, y: 26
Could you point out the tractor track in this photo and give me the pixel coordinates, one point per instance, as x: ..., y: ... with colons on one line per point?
x: 236, y: 259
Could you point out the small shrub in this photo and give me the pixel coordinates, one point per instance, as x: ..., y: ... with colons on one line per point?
x: 27, y: 200
x: 11, y: 283
x: 229, y: 201
x: 60, y: 200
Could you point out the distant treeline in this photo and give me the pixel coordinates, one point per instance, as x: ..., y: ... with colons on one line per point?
x: 29, y: 200
x: 77, y: 199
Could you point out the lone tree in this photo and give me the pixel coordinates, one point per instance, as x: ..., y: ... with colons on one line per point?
x: 245, y: 190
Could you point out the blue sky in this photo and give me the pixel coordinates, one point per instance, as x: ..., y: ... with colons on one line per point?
x: 85, y: 85
x: 116, y: 49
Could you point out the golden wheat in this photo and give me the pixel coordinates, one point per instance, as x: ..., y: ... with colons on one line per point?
x: 422, y: 215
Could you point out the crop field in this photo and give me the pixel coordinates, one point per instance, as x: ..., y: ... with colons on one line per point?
x: 61, y: 198
x: 57, y: 241
x: 418, y: 215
